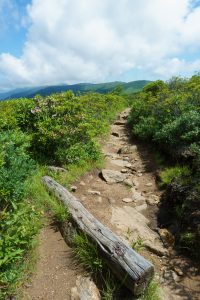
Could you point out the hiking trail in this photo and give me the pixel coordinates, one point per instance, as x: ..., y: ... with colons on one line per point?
x: 124, y: 197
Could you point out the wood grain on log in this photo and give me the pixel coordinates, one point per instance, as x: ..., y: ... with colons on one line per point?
x: 130, y: 267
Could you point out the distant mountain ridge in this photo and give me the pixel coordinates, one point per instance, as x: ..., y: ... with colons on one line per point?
x: 128, y: 88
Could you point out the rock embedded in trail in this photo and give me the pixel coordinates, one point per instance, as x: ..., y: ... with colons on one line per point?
x: 137, y: 197
x: 111, y: 176
x: 94, y: 192
x: 121, y: 163
x: 149, y: 184
x: 128, y: 182
x: 167, y: 237
x: 112, y: 155
x: 141, y: 207
x: 153, y: 200
x: 170, y: 276
x: 128, y: 218
x: 124, y: 171
x: 127, y: 200
x: 127, y: 149
x: 85, y: 290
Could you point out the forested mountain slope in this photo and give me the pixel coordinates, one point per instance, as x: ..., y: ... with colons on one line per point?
x: 127, y: 88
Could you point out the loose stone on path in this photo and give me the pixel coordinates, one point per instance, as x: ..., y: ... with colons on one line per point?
x: 111, y: 176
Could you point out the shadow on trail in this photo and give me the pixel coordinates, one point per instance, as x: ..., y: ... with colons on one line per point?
x: 188, y: 288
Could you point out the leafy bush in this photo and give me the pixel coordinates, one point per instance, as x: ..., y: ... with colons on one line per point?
x: 15, y: 166
x: 174, y: 172
x: 168, y: 115
x: 61, y: 129
x: 61, y: 123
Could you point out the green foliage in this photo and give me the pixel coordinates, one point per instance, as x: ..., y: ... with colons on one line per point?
x: 61, y: 129
x: 64, y: 126
x: 37, y: 194
x: 187, y: 240
x: 17, y: 227
x: 15, y: 166
x: 152, y: 292
x: 110, y: 286
x: 138, y: 245
x: 168, y: 115
x: 173, y: 172
x: 87, y: 253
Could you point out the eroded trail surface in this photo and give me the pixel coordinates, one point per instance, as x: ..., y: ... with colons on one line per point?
x: 124, y: 197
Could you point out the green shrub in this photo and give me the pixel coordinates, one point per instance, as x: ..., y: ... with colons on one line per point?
x: 15, y: 166
x: 17, y: 230
x: 173, y: 172
x: 87, y: 253
x: 152, y: 292
x: 168, y: 115
x: 61, y: 129
x: 62, y: 122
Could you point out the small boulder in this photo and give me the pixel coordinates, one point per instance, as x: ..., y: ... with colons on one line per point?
x: 149, y: 184
x: 170, y: 276
x: 141, y: 208
x: 124, y: 171
x: 91, y: 192
x: 167, y: 237
x: 128, y: 182
x: 127, y: 200
x: 111, y: 176
x: 153, y: 200
x: 127, y: 149
x: 121, y: 163
x: 85, y: 289
x: 137, y: 197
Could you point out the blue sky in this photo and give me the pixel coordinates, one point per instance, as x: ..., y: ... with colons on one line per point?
x: 13, y: 27
x: 45, y: 42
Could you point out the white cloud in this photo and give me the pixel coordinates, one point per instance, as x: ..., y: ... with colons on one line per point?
x: 91, y: 40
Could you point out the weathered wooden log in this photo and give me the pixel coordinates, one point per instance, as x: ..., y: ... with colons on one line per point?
x: 132, y: 269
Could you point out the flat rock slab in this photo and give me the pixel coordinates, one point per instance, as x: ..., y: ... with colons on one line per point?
x: 111, y: 176
x: 85, y: 290
x: 128, y: 218
x: 121, y: 163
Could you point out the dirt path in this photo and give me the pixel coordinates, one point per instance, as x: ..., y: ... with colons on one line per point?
x: 129, y: 208
x: 56, y: 271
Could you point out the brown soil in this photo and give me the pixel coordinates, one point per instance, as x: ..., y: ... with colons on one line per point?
x: 56, y: 270
x: 56, y: 273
